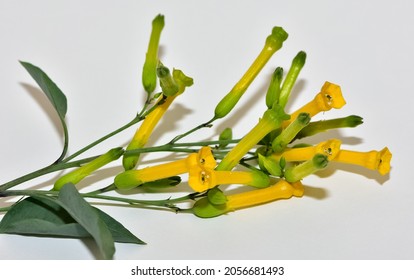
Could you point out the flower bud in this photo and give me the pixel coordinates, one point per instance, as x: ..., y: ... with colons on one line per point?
x: 79, y: 174
x: 149, y: 72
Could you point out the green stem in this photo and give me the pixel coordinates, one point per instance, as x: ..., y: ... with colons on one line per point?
x: 178, y: 137
x: 64, y: 165
x: 137, y: 119
x: 168, y: 203
x: 44, y: 171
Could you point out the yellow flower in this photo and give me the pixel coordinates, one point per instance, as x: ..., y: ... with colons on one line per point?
x: 133, y: 178
x: 144, y: 132
x: 202, y: 179
x: 273, y: 43
x: 375, y: 160
x: 281, y: 190
x: 329, y: 97
x: 329, y: 148
x: 271, y: 120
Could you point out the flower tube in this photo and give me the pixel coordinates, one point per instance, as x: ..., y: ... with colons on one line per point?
x: 144, y: 132
x: 329, y: 148
x: 133, y: 178
x: 329, y: 97
x: 203, y: 208
x: 271, y: 120
x: 374, y: 160
x: 273, y: 43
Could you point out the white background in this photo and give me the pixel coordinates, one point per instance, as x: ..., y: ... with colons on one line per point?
x: 94, y: 51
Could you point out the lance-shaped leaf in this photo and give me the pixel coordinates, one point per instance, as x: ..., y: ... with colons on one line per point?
x: 45, y: 217
x: 55, y: 96
x: 68, y: 216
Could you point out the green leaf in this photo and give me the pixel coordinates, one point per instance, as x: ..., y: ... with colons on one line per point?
x: 118, y: 231
x: 55, y: 96
x: 45, y: 217
x: 88, y: 218
x: 36, y: 216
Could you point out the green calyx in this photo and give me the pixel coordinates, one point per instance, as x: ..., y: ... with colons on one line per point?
x: 225, y: 135
x: 259, y: 179
x: 127, y: 180
x: 270, y: 165
x: 275, y: 116
x: 168, y: 85
x: 216, y: 196
x: 203, y: 208
x: 183, y: 81
x: 79, y: 174
x: 149, y: 72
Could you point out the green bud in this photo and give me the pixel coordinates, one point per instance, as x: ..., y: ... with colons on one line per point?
x: 322, y: 126
x: 290, y: 80
x: 79, y: 174
x: 270, y: 165
x: 289, y: 133
x: 225, y: 135
x: 127, y: 180
x: 276, y: 39
x: 203, y: 208
x: 149, y: 73
x: 216, y: 196
x: 260, y: 179
x: 182, y: 80
x: 273, y: 91
x: 306, y: 168
x: 167, y: 83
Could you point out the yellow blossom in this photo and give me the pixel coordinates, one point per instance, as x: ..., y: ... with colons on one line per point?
x: 281, y: 190
x: 133, y: 178
x: 329, y: 97
x: 329, y: 148
x: 375, y: 160
x: 202, y: 179
x: 144, y: 132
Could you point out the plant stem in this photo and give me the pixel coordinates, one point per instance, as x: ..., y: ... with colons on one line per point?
x: 168, y: 203
x: 137, y: 119
x: 44, y: 171
x: 64, y: 165
x: 178, y: 137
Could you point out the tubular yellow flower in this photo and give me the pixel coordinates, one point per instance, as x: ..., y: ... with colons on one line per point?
x: 329, y: 97
x: 144, y: 132
x: 202, y: 179
x: 375, y: 160
x: 281, y: 190
x: 271, y: 120
x: 273, y: 43
x: 133, y: 178
x: 80, y: 173
x: 329, y: 148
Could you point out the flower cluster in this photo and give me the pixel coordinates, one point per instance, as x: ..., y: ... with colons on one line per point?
x: 275, y: 165
x: 268, y: 159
